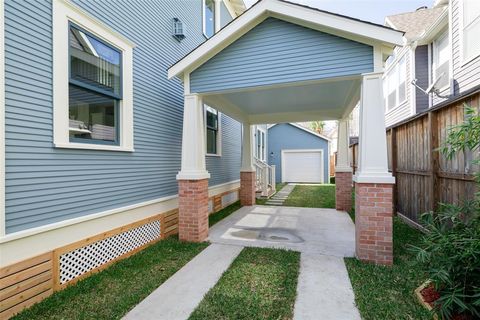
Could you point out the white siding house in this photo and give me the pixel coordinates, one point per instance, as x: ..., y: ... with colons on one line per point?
x: 442, y: 53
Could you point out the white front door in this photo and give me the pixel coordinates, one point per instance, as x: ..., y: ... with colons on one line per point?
x: 302, y: 166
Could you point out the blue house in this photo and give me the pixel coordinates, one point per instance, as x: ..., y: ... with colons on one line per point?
x: 121, y: 124
x: 299, y: 154
x: 91, y: 128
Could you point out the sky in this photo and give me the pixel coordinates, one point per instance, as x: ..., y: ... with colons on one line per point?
x: 369, y: 10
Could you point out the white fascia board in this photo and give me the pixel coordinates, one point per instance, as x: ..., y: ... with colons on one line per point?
x: 334, y: 24
x: 435, y: 28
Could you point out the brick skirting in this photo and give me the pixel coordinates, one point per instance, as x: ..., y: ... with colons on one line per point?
x: 373, y: 222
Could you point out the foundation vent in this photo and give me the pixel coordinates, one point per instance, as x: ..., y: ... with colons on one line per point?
x: 89, y: 257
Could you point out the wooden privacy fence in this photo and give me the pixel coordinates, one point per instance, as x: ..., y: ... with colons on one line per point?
x: 424, y: 176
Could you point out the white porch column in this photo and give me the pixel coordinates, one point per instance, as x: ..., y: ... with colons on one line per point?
x: 247, y: 148
x: 193, y: 140
x: 247, y: 172
x: 372, y: 156
x: 193, y: 177
x: 373, y: 182
x: 343, y: 171
x: 343, y: 154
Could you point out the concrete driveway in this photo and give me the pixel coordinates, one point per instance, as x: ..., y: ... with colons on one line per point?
x: 308, y: 230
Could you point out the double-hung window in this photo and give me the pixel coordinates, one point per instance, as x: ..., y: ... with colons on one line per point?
x: 209, y: 18
x: 395, y: 84
x: 471, y: 29
x: 213, y: 131
x: 95, y: 89
x: 260, y: 142
x: 92, y: 82
x: 441, y: 61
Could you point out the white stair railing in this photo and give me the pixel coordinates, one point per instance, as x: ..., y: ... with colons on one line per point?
x: 265, y: 178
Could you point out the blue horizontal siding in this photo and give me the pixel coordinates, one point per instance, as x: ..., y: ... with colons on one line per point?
x: 277, y: 52
x: 227, y: 167
x: 287, y: 137
x: 46, y: 184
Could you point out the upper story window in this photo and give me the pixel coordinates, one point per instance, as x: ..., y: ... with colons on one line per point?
x: 94, y: 89
x: 441, y: 61
x: 209, y: 18
x: 213, y: 131
x: 471, y: 29
x: 395, y: 84
x: 92, y: 82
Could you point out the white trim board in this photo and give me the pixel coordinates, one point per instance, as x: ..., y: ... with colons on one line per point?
x: 25, y: 244
x: 2, y: 118
x: 322, y: 161
x: 371, y: 34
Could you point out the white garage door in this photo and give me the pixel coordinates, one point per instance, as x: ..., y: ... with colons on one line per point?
x: 302, y: 166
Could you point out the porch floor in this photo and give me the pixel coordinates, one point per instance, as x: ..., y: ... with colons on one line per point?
x: 308, y: 230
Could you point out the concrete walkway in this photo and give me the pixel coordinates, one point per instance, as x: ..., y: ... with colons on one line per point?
x: 279, y: 198
x: 177, y: 297
x: 323, y: 236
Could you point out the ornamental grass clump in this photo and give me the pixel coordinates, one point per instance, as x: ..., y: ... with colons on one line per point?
x: 450, y: 249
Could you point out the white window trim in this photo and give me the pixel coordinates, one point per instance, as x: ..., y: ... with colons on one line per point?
x: 444, y: 34
x: 394, y: 67
x: 464, y: 60
x: 219, y: 133
x: 204, y: 21
x: 63, y: 13
x: 262, y: 130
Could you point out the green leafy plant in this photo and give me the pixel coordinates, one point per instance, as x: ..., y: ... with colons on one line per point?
x: 450, y: 249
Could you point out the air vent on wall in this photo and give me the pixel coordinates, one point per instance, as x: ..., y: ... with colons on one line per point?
x: 177, y: 31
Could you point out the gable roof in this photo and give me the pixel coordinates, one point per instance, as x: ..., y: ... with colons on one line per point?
x: 417, y: 23
x: 342, y: 26
x: 304, y: 129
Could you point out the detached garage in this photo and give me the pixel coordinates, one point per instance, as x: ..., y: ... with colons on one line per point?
x: 299, y: 154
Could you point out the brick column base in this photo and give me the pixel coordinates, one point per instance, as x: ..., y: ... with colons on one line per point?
x: 247, y: 188
x: 193, y: 210
x: 373, y: 222
x: 343, y: 191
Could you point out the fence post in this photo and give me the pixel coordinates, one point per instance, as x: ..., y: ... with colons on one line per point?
x: 393, y: 155
x: 433, y: 130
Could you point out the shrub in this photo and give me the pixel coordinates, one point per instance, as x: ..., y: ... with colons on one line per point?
x: 450, y: 249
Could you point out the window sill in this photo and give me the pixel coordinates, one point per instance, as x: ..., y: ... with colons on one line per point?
x: 401, y: 104
x: 87, y: 146
x: 213, y: 155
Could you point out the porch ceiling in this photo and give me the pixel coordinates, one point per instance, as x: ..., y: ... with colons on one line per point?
x: 323, y: 100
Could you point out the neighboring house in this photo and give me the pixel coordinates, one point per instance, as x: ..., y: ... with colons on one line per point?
x: 299, y: 154
x: 93, y: 127
x: 442, y: 52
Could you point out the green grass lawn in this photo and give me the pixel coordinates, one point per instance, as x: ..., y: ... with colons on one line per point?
x: 260, y: 284
x: 321, y: 196
x: 225, y: 212
x: 110, y: 294
x: 388, y: 292
x: 278, y: 187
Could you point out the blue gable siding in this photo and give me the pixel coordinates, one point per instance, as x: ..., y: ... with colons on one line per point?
x: 275, y: 52
x: 45, y: 184
x: 285, y: 136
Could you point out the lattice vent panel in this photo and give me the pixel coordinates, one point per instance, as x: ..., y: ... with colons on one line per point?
x: 229, y: 198
x: 92, y: 256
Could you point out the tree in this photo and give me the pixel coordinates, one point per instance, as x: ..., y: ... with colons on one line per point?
x: 317, y: 126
